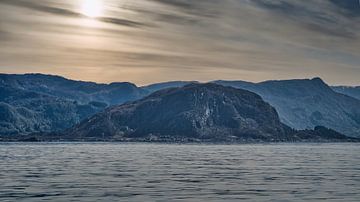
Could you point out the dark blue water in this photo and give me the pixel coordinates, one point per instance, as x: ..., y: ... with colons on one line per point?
x: 160, y: 172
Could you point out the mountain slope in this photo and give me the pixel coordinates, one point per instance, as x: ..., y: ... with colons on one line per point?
x: 171, y: 84
x: 80, y: 91
x: 197, y: 111
x: 348, y: 90
x: 43, y: 103
x: 306, y: 103
x: 302, y: 104
x: 24, y: 112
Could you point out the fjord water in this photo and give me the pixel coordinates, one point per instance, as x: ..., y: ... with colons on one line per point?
x: 169, y: 172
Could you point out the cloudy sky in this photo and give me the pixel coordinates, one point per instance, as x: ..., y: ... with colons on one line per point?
x: 145, y: 41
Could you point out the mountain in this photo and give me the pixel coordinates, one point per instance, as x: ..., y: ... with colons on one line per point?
x: 43, y: 103
x: 24, y: 112
x: 301, y: 104
x: 195, y: 112
x: 171, y: 84
x: 348, y: 90
x: 306, y: 103
x: 80, y: 91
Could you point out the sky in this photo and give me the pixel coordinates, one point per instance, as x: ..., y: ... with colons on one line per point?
x: 148, y: 41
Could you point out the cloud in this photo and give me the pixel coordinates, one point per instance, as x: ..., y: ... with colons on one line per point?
x: 350, y: 8
x: 122, y: 22
x: 69, y: 13
x: 42, y: 8
x: 314, y: 15
x: 4, y: 35
x: 154, y: 40
x: 204, y: 8
x: 182, y: 4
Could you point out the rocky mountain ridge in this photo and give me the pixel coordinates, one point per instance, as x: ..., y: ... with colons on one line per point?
x: 201, y: 112
x: 306, y: 103
x: 352, y: 91
x: 301, y: 103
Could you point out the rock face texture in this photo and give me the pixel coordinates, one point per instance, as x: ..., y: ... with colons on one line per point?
x: 197, y: 111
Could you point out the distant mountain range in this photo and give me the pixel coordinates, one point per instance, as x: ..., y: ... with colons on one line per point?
x: 196, y: 113
x: 171, y: 84
x: 306, y: 103
x: 353, y: 91
x: 80, y: 91
x: 203, y: 111
x: 23, y: 112
x: 44, y: 103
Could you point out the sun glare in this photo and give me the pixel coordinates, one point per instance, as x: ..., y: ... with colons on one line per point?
x: 92, y: 8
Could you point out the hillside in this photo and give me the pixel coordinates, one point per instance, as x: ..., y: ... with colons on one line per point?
x: 301, y: 103
x: 44, y: 103
x: 306, y: 103
x: 24, y: 112
x: 80, y: 91
x: 348, y: 90
x: 203, y: 112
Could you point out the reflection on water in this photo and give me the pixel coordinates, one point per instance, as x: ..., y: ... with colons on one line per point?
x: 160, y: 172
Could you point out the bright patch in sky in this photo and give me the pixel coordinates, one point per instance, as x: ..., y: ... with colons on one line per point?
x: 92, y: 8
x: 148, y: 41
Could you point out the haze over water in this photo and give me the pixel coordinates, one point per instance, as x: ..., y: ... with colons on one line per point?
x: 161, y: 172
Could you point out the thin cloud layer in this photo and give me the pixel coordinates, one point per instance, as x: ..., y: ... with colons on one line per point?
x: 147, y: 41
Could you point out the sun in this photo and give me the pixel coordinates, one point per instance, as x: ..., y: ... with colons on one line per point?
x: 92, y: 8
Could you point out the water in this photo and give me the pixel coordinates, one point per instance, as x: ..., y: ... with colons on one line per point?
x: 160, y: 172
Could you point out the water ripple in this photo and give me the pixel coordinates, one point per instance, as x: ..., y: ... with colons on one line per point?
x: 160, y: 172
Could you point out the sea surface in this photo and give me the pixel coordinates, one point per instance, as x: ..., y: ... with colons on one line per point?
x: 172, y: 172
